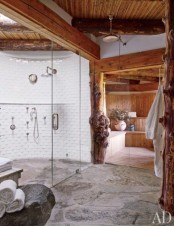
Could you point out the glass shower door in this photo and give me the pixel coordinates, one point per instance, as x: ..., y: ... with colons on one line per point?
x: 65, y: 115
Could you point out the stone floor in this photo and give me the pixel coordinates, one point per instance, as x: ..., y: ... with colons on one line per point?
x: 133, y: 156
x: 47, y: 172
x: 105, y: 195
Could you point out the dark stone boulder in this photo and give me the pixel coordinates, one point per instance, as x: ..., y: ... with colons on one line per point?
x: 39, y: 202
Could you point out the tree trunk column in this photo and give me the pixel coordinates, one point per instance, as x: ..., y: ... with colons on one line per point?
x: 99, y: 122
x: 166, y: 200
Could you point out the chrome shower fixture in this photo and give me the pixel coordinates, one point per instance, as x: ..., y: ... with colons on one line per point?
x: 49, y: 72
x: 32, y: 78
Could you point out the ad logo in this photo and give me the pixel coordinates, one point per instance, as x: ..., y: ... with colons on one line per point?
x: 164, y: 219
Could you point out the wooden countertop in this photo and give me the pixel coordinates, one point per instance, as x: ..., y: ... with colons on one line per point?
x: 116, y: 133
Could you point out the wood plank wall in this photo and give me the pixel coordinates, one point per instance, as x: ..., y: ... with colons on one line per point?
x: 139, y: 123
x: 139, y: 103
x: 137, y: 139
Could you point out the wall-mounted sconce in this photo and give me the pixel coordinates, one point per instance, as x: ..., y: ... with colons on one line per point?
x: 32, y: 78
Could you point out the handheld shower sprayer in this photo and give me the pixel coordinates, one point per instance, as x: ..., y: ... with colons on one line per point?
x: 33, y: 115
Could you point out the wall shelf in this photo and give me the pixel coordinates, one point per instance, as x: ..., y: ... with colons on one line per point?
x: 137, y: 138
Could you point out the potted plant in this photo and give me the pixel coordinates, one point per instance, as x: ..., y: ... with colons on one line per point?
x: 120, y: 118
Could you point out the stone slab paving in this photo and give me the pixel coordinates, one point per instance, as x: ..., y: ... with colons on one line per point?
x: 107, y: 195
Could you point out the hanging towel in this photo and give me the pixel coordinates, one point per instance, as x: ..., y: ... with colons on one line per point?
x: 7, y: 191
x: 154, y: 130
x: 158, y: 161
x: 18, y: 203
x: 2, y: 209
x: 156, y: 111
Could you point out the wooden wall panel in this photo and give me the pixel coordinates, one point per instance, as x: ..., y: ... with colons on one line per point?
x: 139, y: 123
x: 137, y: 139
x: 139, y: 103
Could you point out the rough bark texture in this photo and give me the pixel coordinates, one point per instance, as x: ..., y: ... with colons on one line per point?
x: 167, y: 197
x: 39, y: 202
x: 121, y: 27
x: 99, y: 122
x: 28, y: 45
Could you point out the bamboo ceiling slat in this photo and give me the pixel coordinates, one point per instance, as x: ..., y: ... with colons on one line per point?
x: 120, y: 9
x: 29, y: 36
x: 22, y: 36
x: 19, y: 35
x: 14, y: 35
x: 38, y: 36
x: 7, y: 35
x: 2, y: 35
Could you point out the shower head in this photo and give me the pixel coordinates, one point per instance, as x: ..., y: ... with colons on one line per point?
x: 49, y: 72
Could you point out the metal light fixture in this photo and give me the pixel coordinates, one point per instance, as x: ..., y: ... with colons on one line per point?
x: 111, y: 37
x: 32, y: 78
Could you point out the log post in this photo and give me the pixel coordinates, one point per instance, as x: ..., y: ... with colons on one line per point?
x: 166, y: 200
x: 99, y: 122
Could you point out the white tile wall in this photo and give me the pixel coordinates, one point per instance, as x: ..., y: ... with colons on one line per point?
x: 17, y: 93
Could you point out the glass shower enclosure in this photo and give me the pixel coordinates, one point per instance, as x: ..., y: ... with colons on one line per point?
x: 40, y: 114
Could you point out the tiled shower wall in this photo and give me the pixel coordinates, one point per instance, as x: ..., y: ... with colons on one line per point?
x: 18, y: 96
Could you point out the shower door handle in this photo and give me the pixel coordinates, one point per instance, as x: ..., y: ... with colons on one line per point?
x: 55, y: 121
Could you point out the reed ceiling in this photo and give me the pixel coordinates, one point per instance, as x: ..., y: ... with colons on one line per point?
x: 120, y: 9
x: 129, y: 17
x: 14, y: 36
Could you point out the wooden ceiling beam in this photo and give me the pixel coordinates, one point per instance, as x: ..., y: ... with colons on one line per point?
x: 39, y: 18
x: 28, y: 45
x: 147, y: 0
x: 14, y: 28
x: 132, y: 61
x: 119, y: 26
x: 135, y: 69
x: 131, y: 88
x: 122, y: 80
x: 116, y: 78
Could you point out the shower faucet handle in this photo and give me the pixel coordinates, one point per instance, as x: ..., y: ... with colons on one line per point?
x: 55, y: 121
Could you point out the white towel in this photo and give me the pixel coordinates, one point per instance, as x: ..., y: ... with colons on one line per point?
x: 154, y: 130
x: 18, y: 203
x: 7, y: 191
x: 156, y: 111
x: 4, y: 161
x: 5, y: 164
x: 2, y: 209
